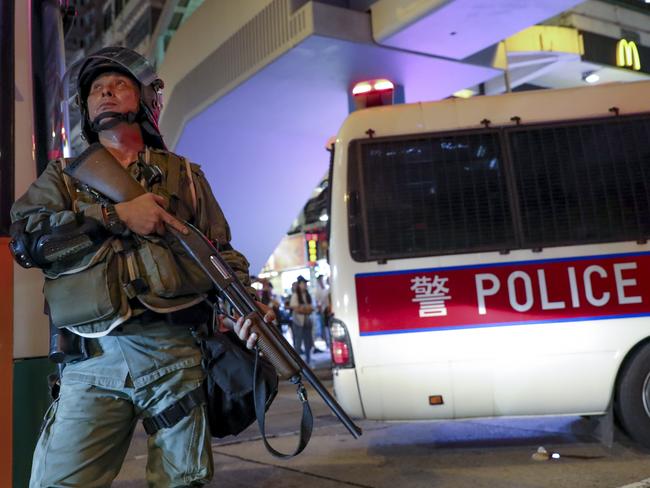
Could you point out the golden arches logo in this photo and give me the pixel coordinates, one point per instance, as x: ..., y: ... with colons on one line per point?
x: 627, y: 55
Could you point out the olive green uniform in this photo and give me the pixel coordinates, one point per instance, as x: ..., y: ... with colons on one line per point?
x: 142, y: 355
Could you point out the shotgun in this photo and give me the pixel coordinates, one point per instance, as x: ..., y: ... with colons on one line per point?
x: 102, y: 173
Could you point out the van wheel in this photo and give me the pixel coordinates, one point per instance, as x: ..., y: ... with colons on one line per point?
x: 633, y: 397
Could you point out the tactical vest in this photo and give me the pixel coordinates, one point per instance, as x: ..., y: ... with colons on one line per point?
x: 98, y: 294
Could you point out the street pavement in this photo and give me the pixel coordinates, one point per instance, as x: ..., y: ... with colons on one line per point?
x: 445, y: 454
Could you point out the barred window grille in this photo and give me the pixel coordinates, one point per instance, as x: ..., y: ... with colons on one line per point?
x: 430, y: 195
x: 583, y: 183
x: 556, y: 184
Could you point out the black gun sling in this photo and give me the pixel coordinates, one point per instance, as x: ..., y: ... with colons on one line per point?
x: 306, y: 422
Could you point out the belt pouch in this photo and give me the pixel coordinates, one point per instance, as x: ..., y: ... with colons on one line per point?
x: 89, y: 295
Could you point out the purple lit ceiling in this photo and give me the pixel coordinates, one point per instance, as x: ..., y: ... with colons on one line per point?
x: 262, y: 146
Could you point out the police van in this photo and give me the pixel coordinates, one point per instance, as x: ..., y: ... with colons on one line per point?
x: 490, y: 257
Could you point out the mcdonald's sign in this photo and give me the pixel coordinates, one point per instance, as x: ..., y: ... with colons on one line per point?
x: 627, y: 55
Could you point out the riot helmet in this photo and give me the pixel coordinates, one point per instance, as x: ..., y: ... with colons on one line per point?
x: 127, y: 62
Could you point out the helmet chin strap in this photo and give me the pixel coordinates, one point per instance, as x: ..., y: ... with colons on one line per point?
x: 116, y: 118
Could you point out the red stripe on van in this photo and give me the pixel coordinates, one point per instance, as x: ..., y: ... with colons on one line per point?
x: 571, y: 289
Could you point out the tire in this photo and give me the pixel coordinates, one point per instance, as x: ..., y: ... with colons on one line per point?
x: 633, y: 397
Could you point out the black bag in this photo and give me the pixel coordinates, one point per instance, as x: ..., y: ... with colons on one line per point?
x: 239, y: 387
x: 229, y: 388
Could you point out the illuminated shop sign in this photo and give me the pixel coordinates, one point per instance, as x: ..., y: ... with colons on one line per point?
x: 621, y: 53
x: 627, y: 55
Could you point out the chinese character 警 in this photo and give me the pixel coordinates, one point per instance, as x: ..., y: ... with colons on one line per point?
x: 431, y: 294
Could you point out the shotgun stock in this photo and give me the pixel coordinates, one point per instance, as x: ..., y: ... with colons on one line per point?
x: 99, y: 170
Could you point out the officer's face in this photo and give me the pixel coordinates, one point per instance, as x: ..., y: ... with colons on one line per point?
x: 112, y: 92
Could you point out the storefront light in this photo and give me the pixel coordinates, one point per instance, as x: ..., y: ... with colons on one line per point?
x: 590, y: 77
x: 465, y: 93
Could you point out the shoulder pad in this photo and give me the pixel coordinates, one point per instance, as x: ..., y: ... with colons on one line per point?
x: 196, y: 168
x: 158, y: 151
x: 162, y: 152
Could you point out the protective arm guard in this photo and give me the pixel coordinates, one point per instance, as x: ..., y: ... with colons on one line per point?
x: 51, y: 245
x: 47, y: 229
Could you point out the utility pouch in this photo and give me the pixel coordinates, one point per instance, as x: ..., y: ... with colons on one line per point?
x: 169, y: 272
x: 90, y: 295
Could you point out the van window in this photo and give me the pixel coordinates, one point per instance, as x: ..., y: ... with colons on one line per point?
x: 582, y: 183
x: 428, y: 195
x: 507, y: 188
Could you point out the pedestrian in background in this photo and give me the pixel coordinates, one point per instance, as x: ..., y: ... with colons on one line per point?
x: 322, y: 296
x: 268, y: 298
x: 302, y: 307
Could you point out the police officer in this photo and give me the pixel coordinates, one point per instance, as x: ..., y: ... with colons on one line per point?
x: 111, y: 279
